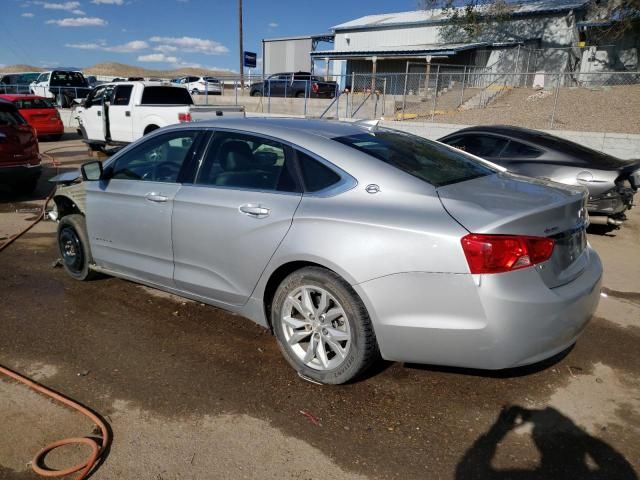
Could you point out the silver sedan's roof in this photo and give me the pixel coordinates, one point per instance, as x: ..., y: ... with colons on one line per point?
x: 286, y: 128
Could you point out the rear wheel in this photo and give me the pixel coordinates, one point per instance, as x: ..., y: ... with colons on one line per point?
x: 195, y: 92
x: 256, y: 93
x: 322, y: 326
x: 299, y: 94
x: 73, y: 245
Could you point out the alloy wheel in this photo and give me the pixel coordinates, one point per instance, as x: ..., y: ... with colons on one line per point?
x: 316, y: 327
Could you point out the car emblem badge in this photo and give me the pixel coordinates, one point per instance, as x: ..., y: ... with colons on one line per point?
x: 372, y: 188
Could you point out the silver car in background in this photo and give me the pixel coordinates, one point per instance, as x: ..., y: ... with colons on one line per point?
x: 349, y: 242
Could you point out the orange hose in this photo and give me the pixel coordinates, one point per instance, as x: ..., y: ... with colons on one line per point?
x: 97, y: 449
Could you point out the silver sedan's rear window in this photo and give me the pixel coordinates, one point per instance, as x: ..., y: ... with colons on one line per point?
x: 432, y: 162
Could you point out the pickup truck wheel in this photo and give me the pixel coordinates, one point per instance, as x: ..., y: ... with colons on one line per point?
x: 256, y: 93
x: 322, y: 326
x: 73, y: 245
x: 299, y: 94
x: 150, y: 129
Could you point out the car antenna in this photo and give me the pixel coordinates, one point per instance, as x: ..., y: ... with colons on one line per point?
x: 371, y: 125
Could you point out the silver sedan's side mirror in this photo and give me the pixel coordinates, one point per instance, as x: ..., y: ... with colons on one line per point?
x: 91, y: 171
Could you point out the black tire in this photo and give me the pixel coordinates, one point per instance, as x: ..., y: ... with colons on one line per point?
x: 73, y: 246
x: 195, y: 92
x: 299, y: 94
x: 256, y: 93
x: 363, y: 350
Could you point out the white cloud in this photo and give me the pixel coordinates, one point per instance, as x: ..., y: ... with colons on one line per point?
x: 28, y: 15
x: 60, y: 6
x: 192, y: 44
x: 157, y: 57
x: 79, y: 22
x: 78, y: 12
x: 165, y: 48
x: 274, y: 25
x: 129, y: 47
x: 108, y: 2
x: 85, y: 46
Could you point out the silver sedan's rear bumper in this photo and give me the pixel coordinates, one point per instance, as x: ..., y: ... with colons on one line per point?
x: 507, y: 320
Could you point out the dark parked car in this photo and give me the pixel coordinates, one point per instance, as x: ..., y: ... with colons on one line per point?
x: 19, y: 157
x: 298, y: 84
x: 17, y: 82
x: 611, y: 182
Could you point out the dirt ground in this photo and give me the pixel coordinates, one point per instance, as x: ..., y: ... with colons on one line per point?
x: 601, y: 109
x: 192, y: 392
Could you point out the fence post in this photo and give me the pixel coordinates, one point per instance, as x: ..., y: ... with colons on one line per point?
x: 337, y: 96
x: 384, y: 95
x: 307, y: 89
x: 464, y: 75
x: 404, y: 93
x: 517, y: 66
x: 235, y: 88
x: 353, y: 89
x: 435, y: 94
x: 269, y: 101
x: 555, y: 101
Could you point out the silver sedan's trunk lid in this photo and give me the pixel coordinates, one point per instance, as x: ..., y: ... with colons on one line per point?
x: 507, y: 204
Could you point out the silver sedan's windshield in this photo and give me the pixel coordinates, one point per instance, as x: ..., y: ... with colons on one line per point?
x: 432, y: 162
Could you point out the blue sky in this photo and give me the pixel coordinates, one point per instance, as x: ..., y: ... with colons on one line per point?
x: 163, y: 33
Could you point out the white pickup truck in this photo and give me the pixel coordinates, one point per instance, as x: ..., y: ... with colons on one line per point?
x: 122, y: 112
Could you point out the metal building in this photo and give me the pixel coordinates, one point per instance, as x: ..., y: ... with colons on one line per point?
x: 290, y: 54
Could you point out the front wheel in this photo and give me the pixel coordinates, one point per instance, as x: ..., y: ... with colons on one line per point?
x: 73, y: 245
x: 322, y: 326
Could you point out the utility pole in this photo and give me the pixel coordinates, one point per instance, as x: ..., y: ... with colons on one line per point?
x: 241, y: 46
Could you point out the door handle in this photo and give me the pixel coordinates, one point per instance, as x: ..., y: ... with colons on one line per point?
x: 99, y: 113
x: 156, y: 197
x: 256, y: 211
x: 127, y: 113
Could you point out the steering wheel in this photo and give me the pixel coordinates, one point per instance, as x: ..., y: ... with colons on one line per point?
x: 163, y: 171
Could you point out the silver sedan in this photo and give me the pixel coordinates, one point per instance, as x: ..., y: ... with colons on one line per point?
x: 348, y: 241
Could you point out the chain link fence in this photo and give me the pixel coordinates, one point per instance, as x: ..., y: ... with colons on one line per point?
x: 595, y: 101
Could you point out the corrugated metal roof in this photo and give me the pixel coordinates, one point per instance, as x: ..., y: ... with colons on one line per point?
x: 299, y: 37
x: 437, y: 15
x: 434, y: 49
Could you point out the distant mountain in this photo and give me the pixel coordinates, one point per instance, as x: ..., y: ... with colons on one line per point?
x: 122, y: 70
x: 20, y: 68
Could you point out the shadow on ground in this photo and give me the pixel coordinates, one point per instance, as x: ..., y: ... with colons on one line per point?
x: 566, y: 450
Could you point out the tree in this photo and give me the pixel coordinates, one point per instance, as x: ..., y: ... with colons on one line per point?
x: 469, y: 21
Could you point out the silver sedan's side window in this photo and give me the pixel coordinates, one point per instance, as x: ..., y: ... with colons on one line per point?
x: 159, y: 159
x: 237, y: 160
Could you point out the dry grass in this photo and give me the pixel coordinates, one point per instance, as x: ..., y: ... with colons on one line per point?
x: 602, y: 109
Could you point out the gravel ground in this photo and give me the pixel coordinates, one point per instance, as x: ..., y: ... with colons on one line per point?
x: 602, y: 109
x: 192, y: 392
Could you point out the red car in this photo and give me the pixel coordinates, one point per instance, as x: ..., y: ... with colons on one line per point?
x: 40, y: 113
x: 19, y: 157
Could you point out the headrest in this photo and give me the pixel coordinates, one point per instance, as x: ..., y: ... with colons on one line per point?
x: 265, y: 159
x: 235, y: 156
